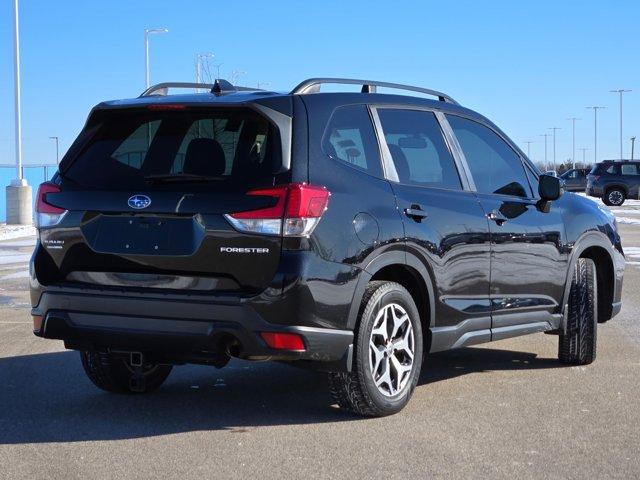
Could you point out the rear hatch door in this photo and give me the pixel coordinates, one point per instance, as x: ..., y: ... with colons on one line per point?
x: 147, y: 194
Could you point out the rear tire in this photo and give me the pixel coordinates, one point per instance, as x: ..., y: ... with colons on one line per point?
x: 387, y: 354
x: 577, y: 345
x: 614, y: 197
x: 113, y: 374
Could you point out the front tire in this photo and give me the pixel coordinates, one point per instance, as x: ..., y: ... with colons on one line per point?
x: 114, y: 374
x: 387, y: 354
x: 614, y: 197
x: 577, y: 345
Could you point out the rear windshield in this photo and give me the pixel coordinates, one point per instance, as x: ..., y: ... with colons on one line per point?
x: 144, y: 148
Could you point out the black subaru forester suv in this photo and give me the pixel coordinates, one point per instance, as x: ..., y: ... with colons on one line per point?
x: 347, y: 232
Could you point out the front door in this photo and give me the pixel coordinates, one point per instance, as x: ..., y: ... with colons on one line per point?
x: 528, y: 255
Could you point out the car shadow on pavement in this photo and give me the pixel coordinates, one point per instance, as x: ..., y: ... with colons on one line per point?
x: 47, y: 398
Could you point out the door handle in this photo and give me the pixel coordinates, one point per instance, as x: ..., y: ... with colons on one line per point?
x: 415, y: 212
x: 497, y: 217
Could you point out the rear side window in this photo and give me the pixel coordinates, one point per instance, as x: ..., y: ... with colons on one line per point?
x: 629, y: 169
x: 496, y: 168
x: 349, y: 138
x: 140, y: 148
x: 418, y: 149
x: 602, y: 168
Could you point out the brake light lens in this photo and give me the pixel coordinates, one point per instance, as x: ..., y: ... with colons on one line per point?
x: 47, y: 214
x: 283, y: 341
x: 298, y: 209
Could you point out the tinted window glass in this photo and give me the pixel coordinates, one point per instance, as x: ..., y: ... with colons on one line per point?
x: 612, y: 169
x: 629, y: 169
x: 494, y: 165
x: 349, y: 137
x: 128, y: 149
x: 418, y: 149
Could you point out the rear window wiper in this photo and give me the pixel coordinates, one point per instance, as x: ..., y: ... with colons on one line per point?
x: 181, y: 178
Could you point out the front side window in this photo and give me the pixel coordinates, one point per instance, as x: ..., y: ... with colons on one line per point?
x: 349, y: 137
x: 494, y: 165
x: 418, y: 149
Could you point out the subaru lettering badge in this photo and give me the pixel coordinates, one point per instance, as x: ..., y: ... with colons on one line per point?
x: 139, y: 201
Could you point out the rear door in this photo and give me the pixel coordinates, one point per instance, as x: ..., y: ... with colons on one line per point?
x: 147, y: 196
x: 528, y: 252
x: 630, y: 174
x: 444, y: 224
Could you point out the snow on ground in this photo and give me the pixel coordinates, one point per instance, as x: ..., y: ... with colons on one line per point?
x: 8, y: 232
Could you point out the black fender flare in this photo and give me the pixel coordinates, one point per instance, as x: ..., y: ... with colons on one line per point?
x: 392, y: 257
x: 586, y: 240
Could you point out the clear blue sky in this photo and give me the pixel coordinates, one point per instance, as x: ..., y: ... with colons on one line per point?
x: 528, y: 65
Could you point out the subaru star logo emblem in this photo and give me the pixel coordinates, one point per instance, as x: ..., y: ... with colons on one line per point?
x: 139, y: 201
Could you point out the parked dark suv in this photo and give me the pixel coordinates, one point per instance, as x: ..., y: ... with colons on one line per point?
x: 347, y: 232
x: 614, y: 182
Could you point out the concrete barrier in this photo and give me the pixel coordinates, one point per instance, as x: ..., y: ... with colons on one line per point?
x: 19, y: 209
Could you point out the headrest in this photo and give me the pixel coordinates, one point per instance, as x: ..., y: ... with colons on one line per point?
x: 204, y: 156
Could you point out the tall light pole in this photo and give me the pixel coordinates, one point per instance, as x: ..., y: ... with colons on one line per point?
x: 199, y: 58
x: 528, y: 149
x: 633, y: 143
x: 546, y: 164
x: 218, y: 65
x: 584, y: 163
x: 57, y: 151
x: 573, y: 140
x: 595, y: 132
x: 620, y: 92
x: 554, y: 145
x: 16, y: 84
x: 147, y: 32
x: 18, y: 193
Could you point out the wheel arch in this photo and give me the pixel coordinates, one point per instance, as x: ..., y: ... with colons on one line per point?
x: 406, y: 270
x: 620, y: 186
x: 597, y: 247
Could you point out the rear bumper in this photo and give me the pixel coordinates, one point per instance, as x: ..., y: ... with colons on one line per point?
x: 179, y: 329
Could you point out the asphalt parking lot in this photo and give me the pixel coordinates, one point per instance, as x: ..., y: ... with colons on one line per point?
x: 506, y: 409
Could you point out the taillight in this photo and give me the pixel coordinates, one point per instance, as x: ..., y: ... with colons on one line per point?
x: 296, y: 213
x: 283, y: 341
x: 47, y: 214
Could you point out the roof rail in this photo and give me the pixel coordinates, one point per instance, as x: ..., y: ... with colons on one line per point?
x: 219, y: 86
x: 312, y: 85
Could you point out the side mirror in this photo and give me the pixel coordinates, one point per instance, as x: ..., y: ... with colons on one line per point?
x: 549, y: 188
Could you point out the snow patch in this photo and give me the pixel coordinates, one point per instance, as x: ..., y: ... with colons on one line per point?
x: 7, y: 232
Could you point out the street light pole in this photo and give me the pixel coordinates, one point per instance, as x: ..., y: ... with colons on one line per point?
x: 573, y: 140
x: 620, y: 92
x: 147, y: 32
x: 554, y: 146
x: 584, y: 163
x: 199, y: 58
x: 18, y: 193
x: 546, y: 164
x: 57, y: 154
x: 16, y: 84
x: 528, y: 149
x: 633, y: 143
x: 595, y: 132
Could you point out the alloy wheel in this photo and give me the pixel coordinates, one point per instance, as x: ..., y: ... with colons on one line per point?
x: 391, y: 350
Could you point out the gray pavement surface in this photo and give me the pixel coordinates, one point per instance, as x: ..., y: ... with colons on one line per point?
x: 502, y: 410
